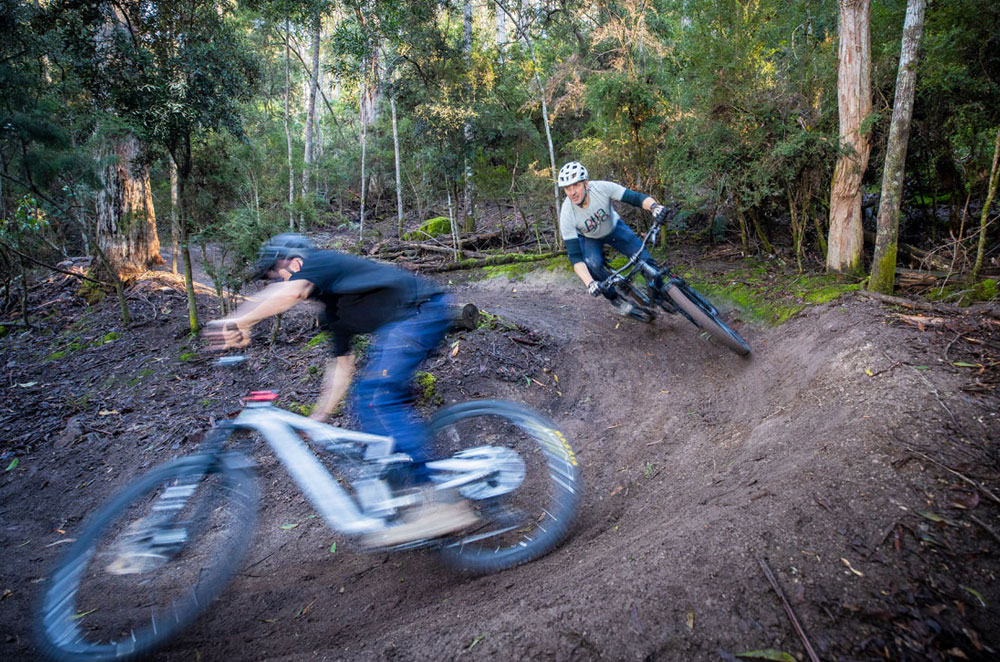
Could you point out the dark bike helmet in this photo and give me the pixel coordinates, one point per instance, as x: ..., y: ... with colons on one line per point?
x: 571, y: 173
x: 280, y: 247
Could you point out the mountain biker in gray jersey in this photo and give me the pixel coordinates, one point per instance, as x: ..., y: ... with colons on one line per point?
x: 588, y: 221
x: 407, y: 317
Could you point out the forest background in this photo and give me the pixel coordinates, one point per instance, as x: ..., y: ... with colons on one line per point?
x: 221, y: 123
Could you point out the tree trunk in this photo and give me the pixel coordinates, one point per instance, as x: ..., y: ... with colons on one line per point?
x: 884, y: 265
x: 126, y: 221
x: 983, y: 218
x: 468, y: 202
x: 854, y: 102
x: 399, y: 181
x: 288, y: 132
x: 364, y: 145
x: 310, y: 121
x: 183, y: 172
x: 545, y: 121
x: 174, y: 231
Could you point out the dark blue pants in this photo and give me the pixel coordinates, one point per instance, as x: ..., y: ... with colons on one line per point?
x: 382, y: 395
x: 622, y: 239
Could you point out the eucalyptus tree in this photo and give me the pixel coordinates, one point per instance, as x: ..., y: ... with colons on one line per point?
x: 883, y: 272
x: 174, y: 69
x: 854, y: 97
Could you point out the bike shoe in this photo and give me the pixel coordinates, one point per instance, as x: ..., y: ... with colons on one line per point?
x: 437, y: 514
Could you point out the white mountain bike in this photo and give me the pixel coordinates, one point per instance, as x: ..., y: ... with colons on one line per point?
x: 149, y: 562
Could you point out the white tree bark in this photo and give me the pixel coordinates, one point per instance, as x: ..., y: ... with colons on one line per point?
x: 174, y: 227
x: 310, y: 121
x: 468, y: 202
x: 522, y: 31
x: 288, y: 131
x: 399, y: 181
x: 884, y: 265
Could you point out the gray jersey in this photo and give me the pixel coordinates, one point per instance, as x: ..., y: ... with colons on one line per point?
x: 599, y: 217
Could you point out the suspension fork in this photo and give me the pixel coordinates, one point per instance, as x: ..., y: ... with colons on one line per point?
x: 161, y: 524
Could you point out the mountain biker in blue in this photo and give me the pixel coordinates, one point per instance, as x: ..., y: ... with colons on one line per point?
x: 407, y: 317
x: 588, y: 221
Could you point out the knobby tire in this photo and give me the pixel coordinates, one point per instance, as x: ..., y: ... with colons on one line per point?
x: 92, y: 613
x: 535, y: 518
x: 705, y: 319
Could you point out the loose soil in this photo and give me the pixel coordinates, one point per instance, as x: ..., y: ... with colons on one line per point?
x: 853, y: 455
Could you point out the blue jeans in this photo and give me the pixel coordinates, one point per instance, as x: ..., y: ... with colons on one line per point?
x: 622, y: 239
x: 382, y: 395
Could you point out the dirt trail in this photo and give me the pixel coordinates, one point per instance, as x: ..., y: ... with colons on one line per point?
x: 809, y: 456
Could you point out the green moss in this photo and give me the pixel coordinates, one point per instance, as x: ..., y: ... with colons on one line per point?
x: 71, y: 348
x: 188, y: 356
x: 769, y: 296
x: 435, y: 227
x: 963, y: 294
x: 110, y: 337
x: 312, y: 370
x: 986, y: 290
x: 427, y: 386
x: 301, y: 409
x: 490, y: 321
x: 318, y: 339
x: 522, y: 266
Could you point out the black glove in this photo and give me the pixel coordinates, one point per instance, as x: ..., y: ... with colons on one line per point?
x: 595, y: 288
x: 659, y: 213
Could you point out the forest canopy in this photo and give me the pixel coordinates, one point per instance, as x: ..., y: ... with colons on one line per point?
x: 123, y: 122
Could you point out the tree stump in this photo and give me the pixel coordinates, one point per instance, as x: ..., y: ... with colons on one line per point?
x: 464, y: 316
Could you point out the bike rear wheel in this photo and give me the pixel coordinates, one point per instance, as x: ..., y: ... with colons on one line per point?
x: 151, y: 561
x: 527, y: 507
x: 704, y: 315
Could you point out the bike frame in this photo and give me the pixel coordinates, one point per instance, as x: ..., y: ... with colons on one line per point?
x: 653, y: 274
x: 338, y: 508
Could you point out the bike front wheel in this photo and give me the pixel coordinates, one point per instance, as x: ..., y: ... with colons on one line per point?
x: 152, y: 560
x: 527, y: 504
x: 704, y: 315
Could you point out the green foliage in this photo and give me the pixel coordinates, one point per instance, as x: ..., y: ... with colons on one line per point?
x: 725, y: 109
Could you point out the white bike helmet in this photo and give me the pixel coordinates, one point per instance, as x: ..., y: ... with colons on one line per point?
x: 571, y: 173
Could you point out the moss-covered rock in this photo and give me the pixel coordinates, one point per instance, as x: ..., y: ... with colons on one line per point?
x: 435, y: 227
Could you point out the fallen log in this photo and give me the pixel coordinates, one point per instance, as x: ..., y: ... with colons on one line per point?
x: 914, y: 253
x: 909, y: 303
x: 495, y: 260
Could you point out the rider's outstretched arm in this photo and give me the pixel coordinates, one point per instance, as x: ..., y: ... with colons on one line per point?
x: 234, y: 330
x: 336, y: 379
x: 642, y: 200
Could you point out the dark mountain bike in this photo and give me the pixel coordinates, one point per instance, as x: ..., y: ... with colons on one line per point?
x: 149, y: 562
x: 670, y: 293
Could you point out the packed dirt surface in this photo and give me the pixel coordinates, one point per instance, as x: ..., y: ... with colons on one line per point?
x: 853, y: 457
